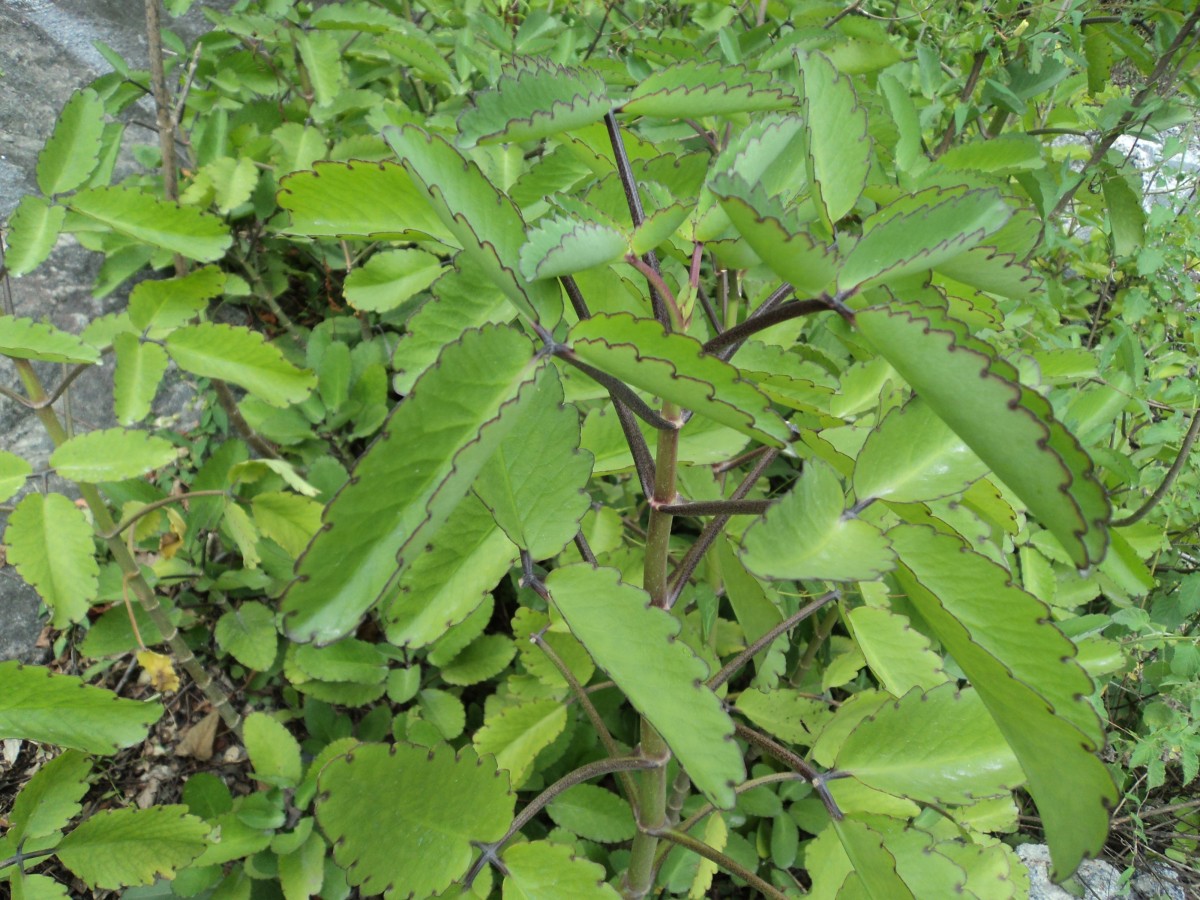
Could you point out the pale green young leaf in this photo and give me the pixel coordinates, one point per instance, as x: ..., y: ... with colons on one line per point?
x: 73, y: 151
x: 139, y: 372
x: 810, y: 534
x: 248, y: 634
x: 533, y: 99
x: 515, y: 735
x: 914, y: 456
x: 993, y: 870
x: 33, y: 228
x: 540, y: 870
x: 620, y: 629
x: 249, y: 471
x: 112, y: 454
x: 388, y: 280
x: 1026, y: 673
x: 872, y: 865
x: 159, y: 223
x: 563, y: 246
x: 13, y: 472
x: 236, y: 522
x: 485, y: 222
x: 321, y: 54
x: 163, y: 304
x: 39, y: 705
x: 456, y: 637
x: 922, y: 866
x: 50, y: 800
x: 462, y: 561
x: 359, y: 199
x: 839, y: 149
x: 1126, y: 215
x: 535, y: 484
x: 711, y: 88
x: 242, y: 357
x: 27, y: 339
x: 49, y: 541
x: 288, y: 519
x: 225, y: 182
x: 124, y: 847
x: 36, y: 887
x: 784, y: 713
x: 410, y: 480
x: 302, y: 871
x: 274, y: 753
x: 1010, y: 427
x: 898, y: 655
x: 430, y: 805
x: 673, y: 366
x: 564, y: 645
x: 593, y: 813
x: 939, y: 746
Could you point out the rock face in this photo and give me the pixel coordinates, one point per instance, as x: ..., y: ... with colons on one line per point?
x: 1097, y: 879
x: 46, y: 53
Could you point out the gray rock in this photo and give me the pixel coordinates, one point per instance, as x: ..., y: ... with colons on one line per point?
x: 1097, y: 879
x: 1159, y: 882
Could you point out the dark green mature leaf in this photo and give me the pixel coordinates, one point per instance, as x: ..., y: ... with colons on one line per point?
x: 38, y: 705
x: 534, y: 99
x: 920, y: 232
x: 562, y: 246
x: 50, y: 542
x: 621, y: 631
x: 427, y: 806
x: 27, y: 339
x: 712, y: 88
x: 1025, y: 671
x: 51, y: 798
x: 242, y: 357
x: 410, y: 480
x: 139, y: 372
x: 1009, y: 426
x: 32, y: 231
x: 673, y: 366
x: 73, y: 151
x: 839, y: 150
x: 540, y: 870
x: 914, y: 456
x: 112, y: 454
x: 535, y: 484
x: 121, y: 847
x: 160, y: 223
x: 359, y: 199
x: 939, y: 746
x: 809, y: 534
x: 485, y: 222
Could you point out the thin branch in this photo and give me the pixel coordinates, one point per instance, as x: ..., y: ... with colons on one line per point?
x: 654, y: 278
x: 716, y: 508
x: 1173, y: 473
x: 728, y: 863
x: 62, y: 386
x: 159, y: 504
x: 576, y: 297
x: 585, y: 551
x: 964, y: 95
x: 643, y: 459
x: 619, y: 389
x: 795, y: 762
x: 734, y: 337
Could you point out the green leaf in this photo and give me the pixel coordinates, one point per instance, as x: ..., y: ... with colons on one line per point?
x: 242, y: 357
x: 27, y: 339
x: 898, y: 655
x: 163, y: 304
x: 711, y: 88
x: 754, y: 610
x: 13, y: 472
x: 159, y: 223
x: 1004, y: 154
x: 390, y: 279
x: 444, y: 711
x: 939, y: 746
x: 51, y: 798
x: 784, y: 713
x: 839, y: 149
x: 914, y: 456
x: 920, y: 232
x: 663, y: 679
x: 359, y: 199
x: 139, y: 372
x: 1010, y: 427
x: 50, y: 542
x: 535, y: 484
x: 1126, y: 216
x: 673, y: 366
x: 517, y: 734
x: 33, y: 229
x: 37, y: 887
x: 121, y: 847
x: 429, y: 805
x: 248, y: 635
x: 113, y: 454
x: 533, y: 99
x: 410, y: 480
x: 594, y: 814
x: 486, y: 223
x: 873, y: 866
x: 811, y: 534
x: 321, y: 54
x: 562, y: 246
x: 462, y: 561
x: 38, y: 705
x: 274, y: 753
x: 350, y: 659
x: 540, y: 870
x: 288, y: 519
x: 483, y: 659
x: 73, y: 151
x: 1026, y: 674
